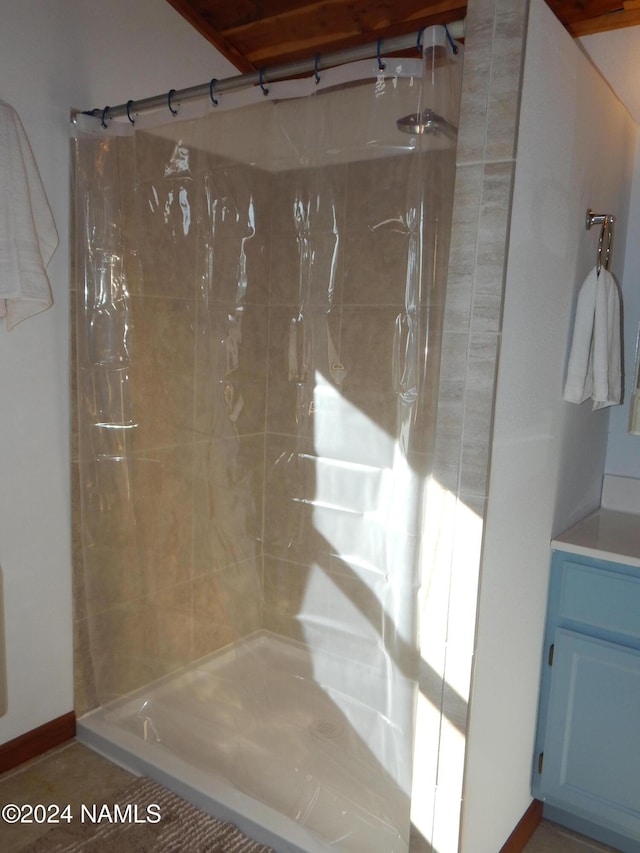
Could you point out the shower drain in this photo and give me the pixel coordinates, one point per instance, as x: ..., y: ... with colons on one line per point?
x: 326, y: 728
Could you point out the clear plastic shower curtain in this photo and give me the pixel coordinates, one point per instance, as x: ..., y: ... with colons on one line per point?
x: 259, y: 310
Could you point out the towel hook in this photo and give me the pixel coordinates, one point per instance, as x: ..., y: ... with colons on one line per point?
x: 605, y: 241
x: 606, y: 234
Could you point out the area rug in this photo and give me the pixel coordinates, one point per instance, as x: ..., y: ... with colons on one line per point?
x: 144, y: 818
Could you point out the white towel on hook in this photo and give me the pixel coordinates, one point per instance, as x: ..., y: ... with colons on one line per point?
x: 28, y: 236
x: 595, y: 360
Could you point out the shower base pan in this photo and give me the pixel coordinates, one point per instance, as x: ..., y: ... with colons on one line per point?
x: 289, y: 744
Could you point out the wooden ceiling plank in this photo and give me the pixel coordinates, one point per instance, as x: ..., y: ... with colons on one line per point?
x: 206, y: 29
x: 605, y: 23
x: 225, y: 15
x: 303, y: 49
x: 361, y: 14
x: 257, y: 33
x: 331, y: 24
x: 572, y: 11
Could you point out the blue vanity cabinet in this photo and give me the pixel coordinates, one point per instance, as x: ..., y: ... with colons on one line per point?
x: 587, y: 756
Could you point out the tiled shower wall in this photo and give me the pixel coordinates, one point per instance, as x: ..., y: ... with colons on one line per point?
x: 170, y: 520
x: 199, y: 525
x: 494, y: 46
x: 316, y: 537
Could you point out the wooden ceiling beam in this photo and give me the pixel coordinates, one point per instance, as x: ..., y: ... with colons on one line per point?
x: 255, y: 34
x: 228, y: 14
x: 572, y: 11
x: 206, y: 29
x: 605, y: 23
x: 329, y: 25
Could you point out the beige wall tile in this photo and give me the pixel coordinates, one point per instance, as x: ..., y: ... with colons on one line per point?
x: 506, y: 66
x: 159, y: 385
x: 85, y: 694
x: 306, y: 199
x: 213, y: 627
x: 464, y: 239
x: 475, y: 83
x: 375, y: 266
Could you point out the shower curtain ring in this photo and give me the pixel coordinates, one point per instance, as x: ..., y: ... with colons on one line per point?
x: 211, y: 88
x: 381, y: 65
x: 265, y: 91
x: 419, y: 41
x: 316, y: 67
x: 170, y: 95
x: 452, y: 44
x: 129, y: 103
x: 104, y: 116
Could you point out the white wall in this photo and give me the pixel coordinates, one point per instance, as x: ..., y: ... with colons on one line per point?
x: 623, y: 450
x: 55, y: 55
x: 617, y: 55
x: 575, y: 150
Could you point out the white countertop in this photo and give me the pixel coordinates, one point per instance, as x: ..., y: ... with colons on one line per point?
x: 605, y: 534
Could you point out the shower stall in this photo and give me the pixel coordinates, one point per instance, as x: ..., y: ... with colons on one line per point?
x: 260, y: 283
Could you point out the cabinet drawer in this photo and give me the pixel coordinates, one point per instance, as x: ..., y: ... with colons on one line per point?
x: 603, y: 599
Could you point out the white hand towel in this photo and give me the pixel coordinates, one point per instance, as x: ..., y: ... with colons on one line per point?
x: 595, y: 363
x: 28, y: 236
x: 607, y: 358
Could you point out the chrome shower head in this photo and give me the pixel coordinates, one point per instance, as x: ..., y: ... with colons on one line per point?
x: 427, y: 122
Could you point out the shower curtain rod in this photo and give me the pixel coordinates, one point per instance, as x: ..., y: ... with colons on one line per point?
x: 267, y: 75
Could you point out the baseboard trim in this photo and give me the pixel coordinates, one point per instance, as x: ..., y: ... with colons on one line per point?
x: 34, y: 743
x: 527, y: 824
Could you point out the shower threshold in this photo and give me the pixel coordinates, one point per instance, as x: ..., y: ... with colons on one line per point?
x: 293, y: 745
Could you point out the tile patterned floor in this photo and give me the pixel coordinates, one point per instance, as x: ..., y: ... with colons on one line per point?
x: 74, y: 774
x: 551, y: 838
x: 70, y: 774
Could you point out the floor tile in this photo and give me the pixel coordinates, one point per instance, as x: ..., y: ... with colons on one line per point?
x: 551, y: 838
x: 71, y: 774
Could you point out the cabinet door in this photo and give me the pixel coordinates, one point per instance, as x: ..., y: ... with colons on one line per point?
x: 591, y: 760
